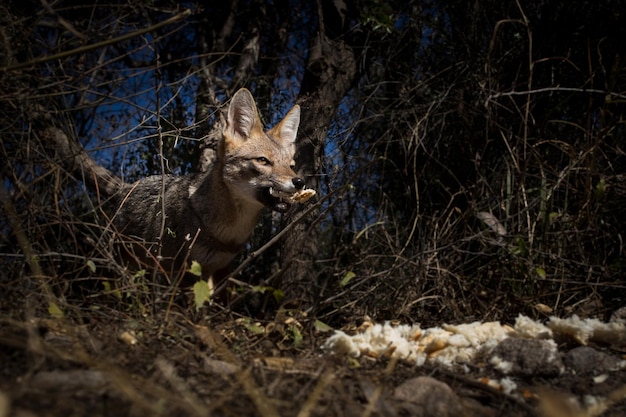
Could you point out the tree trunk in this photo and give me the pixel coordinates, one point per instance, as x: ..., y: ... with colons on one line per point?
x: 330, y: 72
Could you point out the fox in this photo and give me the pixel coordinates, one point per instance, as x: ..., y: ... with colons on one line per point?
x: 209, y: 216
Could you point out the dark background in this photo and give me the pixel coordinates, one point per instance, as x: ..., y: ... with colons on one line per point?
x: 468, y: 156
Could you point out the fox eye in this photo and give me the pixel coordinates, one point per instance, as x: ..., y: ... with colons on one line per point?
x: 263, y: 160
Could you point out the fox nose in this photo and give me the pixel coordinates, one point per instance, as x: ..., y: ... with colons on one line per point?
x: 298, y: 182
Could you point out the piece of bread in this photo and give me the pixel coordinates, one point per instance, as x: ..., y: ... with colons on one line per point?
x: 303, y: 195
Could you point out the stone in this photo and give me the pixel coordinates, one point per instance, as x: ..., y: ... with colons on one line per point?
x: 585, y: 360
x: 426, y: 396
x: 527, y: 357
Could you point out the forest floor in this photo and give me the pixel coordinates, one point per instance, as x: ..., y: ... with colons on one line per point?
x: 109, y: 363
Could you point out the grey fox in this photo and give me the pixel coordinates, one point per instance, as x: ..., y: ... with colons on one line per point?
x: 207, y: 217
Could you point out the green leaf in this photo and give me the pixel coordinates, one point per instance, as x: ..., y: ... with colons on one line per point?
x: 54, y: 310
x: 541, y: 272
x: 297, y: 335
x: 347, y: 278
x: 195, y: 269
x: 553, y: 216
x: 255, y: 328
x: 600, y: 190
x: 279, y: 295
x: 261, y: 289
x: 92, y: 266
x: 519, y: 248
x: 139, y: 274
x: 108, y: 289
x: 201, y: 293
x: 320, y: 326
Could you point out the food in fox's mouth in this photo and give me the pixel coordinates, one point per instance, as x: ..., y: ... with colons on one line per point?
x: 301, y: 196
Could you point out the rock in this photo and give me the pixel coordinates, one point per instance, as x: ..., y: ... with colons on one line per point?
x: 426, y: 396
x: 584, y: 360
x: 527, y: 357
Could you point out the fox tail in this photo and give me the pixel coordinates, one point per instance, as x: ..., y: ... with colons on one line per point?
x: 76, y: 160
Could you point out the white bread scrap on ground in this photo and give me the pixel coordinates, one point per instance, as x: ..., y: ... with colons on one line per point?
x: 453, y: 345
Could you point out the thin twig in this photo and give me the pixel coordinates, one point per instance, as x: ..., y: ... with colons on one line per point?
x: 185, y: 13
x: 552, y: 89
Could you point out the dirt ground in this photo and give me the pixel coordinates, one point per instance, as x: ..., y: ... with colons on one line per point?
x: 100, y: 361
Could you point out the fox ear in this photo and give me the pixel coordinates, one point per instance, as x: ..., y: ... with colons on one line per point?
x: 243, y: 116
x: 287, y: 129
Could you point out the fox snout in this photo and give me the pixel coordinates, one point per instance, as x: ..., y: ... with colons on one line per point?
x: 278, y: 196
x: 289, y: 186
x: 298, y: 183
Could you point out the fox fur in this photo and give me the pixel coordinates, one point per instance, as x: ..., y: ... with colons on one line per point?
x: 208, y: 216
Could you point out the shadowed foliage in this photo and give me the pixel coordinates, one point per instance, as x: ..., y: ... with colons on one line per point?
x: 468, y: 158
x: 469, y: 163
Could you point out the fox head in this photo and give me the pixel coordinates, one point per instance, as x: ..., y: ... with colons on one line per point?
x: 258, y: 165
